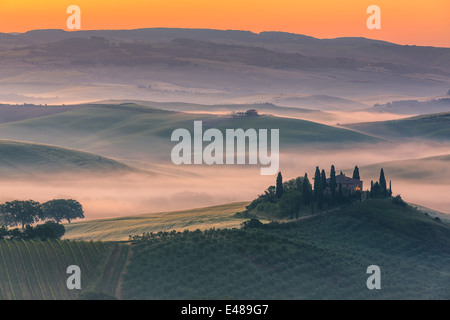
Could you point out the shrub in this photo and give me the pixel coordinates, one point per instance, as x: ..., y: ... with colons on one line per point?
x: 397, y: 200
x: 3, y: 232
x: 50, y: 229
x: 251, y: 224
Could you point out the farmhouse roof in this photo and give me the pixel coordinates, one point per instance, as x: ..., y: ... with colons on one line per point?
x: 344, y: 180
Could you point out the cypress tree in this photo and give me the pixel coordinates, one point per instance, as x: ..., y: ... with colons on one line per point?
x: 323, y: 179
x: 390, y: 189
x: 382, y: 182
x: 356, y: 173
x: 279, y: 186
x: 333, y: 185
x: 316, y: 183
x: 322, y: 186
x: 371, y: 188
x: 306, y: 190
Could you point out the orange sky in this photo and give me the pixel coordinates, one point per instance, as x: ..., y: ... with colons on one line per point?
x: 402, y: 21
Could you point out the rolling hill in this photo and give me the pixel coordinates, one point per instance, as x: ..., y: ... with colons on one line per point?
x: 36, y: 270
x: 142, y: 132
x: 414, y: 107
x: 118, y: 229
x: 309, y: 108
x: 427, y: 127
x: 322, y: 257
x: 30, y: 159
x: 430, y: 169
x: 357, y: 48
x: 210, y: 66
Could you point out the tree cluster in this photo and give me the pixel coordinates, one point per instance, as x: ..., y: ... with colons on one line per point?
x: 379, y: 189
x: 25, y: 213
x: 288, y: 199
x: 47, y: 230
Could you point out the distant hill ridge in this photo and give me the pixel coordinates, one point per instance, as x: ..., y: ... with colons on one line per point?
x: 349, y: 47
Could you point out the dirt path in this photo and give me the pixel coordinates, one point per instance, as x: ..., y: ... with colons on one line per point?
x: 118, y: 292
x: 108, y: 283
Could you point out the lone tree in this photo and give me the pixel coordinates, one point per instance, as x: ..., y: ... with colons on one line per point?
x: 21, y: 212
x: 356, y: 173
x: 279, y: 186
x: 62, y: 209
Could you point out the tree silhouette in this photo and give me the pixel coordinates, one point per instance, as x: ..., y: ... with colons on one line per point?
x: 321, y: 192
x: 306, y: 190
x: 382, y: 182
x: 356, y: 173
x: 279, y: 186
x: 333, y: 185
x: 21, y: 212
x: 316, y: 183
x: 62, y: 209
x: 323, y: 179
x: 390, y: 189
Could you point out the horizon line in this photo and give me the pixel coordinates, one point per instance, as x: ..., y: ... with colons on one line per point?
x: 223, y: 30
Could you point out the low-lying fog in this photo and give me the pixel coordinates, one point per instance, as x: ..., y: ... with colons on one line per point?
x: 197, y: 186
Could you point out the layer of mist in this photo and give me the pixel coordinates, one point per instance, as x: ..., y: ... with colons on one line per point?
x: 193, y: 186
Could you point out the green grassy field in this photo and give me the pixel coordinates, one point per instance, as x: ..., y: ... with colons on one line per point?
x: 323, y: 257
x: 31, y: 158
x: 118, y: 229
x: 36, y: 270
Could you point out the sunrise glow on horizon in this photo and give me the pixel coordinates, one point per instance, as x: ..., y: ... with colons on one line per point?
x: 403, y: 22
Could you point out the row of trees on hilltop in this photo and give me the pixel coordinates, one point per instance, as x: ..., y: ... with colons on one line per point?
x: 379, y: 189
x: 22, y: 213
x: 291, y: 198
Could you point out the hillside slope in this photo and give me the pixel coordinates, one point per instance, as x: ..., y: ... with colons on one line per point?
x: 25, y: 159
x: 430, y: 169
x: 431, y: 127
x: 117, y: 229
x: 36, y: 270
x: 323, y: 257
x: 142, y: 132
